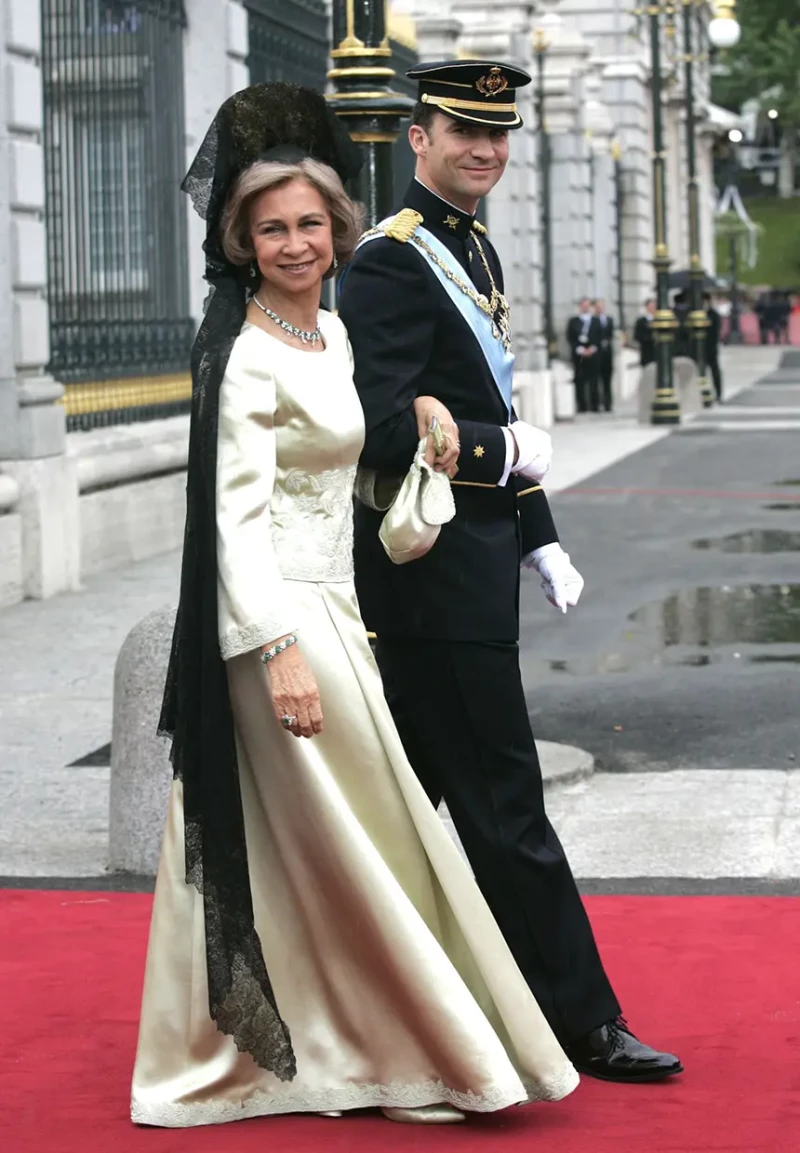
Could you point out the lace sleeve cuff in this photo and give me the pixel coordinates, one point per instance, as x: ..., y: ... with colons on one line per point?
x: 243, y: 639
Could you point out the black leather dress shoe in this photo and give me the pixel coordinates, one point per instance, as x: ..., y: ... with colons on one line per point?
x: 612, y: 1053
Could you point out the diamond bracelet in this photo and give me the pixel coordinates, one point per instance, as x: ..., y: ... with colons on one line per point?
x: 270, y: 654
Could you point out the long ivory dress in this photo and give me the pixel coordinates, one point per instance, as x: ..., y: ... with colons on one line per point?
x: 387, y: 965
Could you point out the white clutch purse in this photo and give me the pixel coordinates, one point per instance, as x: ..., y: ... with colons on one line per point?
x: 415, y: 513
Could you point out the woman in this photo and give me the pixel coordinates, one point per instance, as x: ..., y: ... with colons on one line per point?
x: 340, y: 955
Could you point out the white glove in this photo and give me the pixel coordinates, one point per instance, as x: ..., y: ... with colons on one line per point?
x: 561, y: 581
x: 534, y: 450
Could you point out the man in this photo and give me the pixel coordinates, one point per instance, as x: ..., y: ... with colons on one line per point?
x: 583, y: 337
x: 784, y: 317
x: 606, y: 354
x: 643, y: 334
x: 682, y: 339
x: 712, y: 345
x: 764, y: 311
x: 423, y: 305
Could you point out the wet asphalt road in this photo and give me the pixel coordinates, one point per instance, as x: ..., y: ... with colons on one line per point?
x: 685, y: 649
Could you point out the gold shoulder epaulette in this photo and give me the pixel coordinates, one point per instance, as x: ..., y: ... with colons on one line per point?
x: 480, y: 228
x: 404, y: 225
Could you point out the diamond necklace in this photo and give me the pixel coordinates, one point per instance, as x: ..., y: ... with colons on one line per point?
x: 311, y: 338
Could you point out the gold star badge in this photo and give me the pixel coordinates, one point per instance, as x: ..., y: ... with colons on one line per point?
x: 478, y: 451
x: 452, y: 222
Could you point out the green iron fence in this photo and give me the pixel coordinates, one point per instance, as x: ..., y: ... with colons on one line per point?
x: 116, y: 221
x: 288, y: 41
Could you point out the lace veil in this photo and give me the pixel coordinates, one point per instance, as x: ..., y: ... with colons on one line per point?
x: 265, y: 121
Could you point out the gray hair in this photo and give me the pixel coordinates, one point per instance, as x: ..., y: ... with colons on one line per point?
x: 346, y: 215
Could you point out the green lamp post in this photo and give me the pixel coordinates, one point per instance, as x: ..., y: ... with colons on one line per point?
x: 723, y: 32
x: 665, y: 408
x: 698, y: 318
x: 362, y: 77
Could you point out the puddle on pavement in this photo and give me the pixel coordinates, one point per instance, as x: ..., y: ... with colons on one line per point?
x: 699, y: 628
x: 774, y: 659
x: 785, y: 483
x: 754, y: 540
x: 728, y: 615
x: 783, y: 507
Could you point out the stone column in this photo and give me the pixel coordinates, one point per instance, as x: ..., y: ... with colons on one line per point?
x: 626, y: 91
x: 677, y: 179
x: 437, y: 28
x: 708, y: 198
x: 32, y: 423
x: 566, y: 63
x: 215, y: 48
x: 599, y: 130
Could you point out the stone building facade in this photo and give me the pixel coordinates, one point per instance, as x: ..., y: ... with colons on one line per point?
x: 102, y: 105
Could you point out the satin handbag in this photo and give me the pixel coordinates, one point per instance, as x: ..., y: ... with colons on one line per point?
x: 415, y: 512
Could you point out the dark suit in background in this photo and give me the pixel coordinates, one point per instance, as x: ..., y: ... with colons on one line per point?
x: 713, y: 333
x: 583, y: 333
x: 645, y: 339
x: 606, y: 360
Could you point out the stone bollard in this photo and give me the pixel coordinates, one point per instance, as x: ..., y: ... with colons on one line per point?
x: 141, y: 773
x: 687, y: 391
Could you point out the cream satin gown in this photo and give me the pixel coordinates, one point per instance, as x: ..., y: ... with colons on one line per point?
x: 387, y: 965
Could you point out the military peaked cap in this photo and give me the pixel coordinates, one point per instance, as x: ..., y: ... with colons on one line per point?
x: 477, y: 91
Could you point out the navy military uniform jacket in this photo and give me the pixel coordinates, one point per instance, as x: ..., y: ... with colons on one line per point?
x: 410, y: 340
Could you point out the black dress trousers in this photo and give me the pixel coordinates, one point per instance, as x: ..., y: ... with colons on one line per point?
x: 607, y: 376
x: 461, y: 713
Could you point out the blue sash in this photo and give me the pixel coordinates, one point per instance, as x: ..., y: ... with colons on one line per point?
x: 501, y: 363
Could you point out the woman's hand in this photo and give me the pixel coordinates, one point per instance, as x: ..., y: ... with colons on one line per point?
x: 295, y: 692
x: 426, y: 409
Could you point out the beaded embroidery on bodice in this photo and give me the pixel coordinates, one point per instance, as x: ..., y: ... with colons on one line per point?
x: 312, y: 523
x: 319, y: 434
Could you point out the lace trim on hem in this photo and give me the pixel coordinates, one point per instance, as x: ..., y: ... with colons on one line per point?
x: 237, y: 641
x: 556, y: 1087
x: 176, y: 1115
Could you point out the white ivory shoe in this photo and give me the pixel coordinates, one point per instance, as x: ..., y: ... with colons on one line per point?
x: 426, y: 1115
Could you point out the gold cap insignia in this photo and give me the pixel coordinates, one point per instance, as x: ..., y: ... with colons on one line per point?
x: 493, y: 83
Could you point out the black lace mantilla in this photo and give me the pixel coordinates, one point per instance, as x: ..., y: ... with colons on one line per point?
x: 196, y: 711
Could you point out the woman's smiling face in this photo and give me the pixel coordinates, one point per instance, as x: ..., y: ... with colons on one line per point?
x: 291, y: 231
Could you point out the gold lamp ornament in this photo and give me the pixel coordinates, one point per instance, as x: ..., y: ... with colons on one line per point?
x: 725, y: 31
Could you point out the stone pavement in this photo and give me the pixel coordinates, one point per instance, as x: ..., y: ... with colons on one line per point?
x: 56, y: 685
x: 56, y: 699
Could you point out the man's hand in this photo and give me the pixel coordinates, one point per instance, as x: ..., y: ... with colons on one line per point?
x: 534, y: 450
x: 561, y: 581
x: 427, y: 410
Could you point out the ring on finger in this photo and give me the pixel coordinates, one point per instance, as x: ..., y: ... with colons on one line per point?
x: 287, y: 721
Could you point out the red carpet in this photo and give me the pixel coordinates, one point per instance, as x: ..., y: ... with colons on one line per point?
x: 715, y: 979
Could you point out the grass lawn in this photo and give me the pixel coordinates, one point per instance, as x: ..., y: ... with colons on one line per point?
x: 778, y: 246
